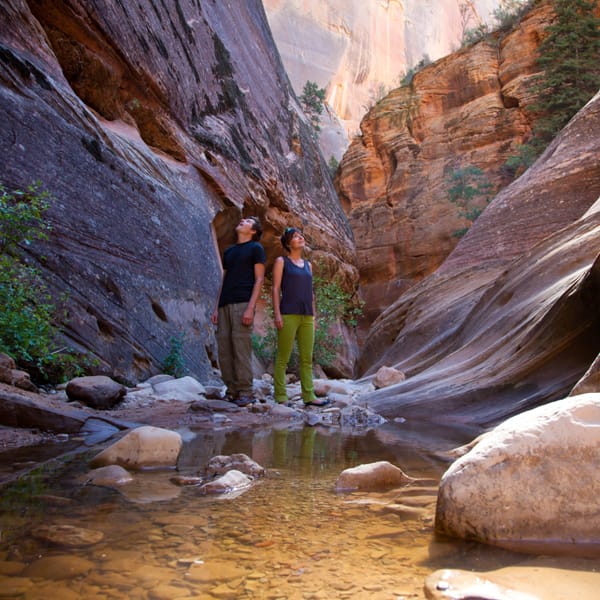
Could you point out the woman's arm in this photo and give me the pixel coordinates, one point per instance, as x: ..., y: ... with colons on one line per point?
x: 277, y: 275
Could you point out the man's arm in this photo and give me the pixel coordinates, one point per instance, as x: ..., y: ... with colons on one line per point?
x: 259, y: 277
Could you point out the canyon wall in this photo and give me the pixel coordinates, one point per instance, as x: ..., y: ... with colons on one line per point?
x: 155, y: 129
x: 469, y: 110
x: 512, y: 317
x: 360, y: 49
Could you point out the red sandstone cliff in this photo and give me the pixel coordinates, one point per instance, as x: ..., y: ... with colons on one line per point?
x: 154, y: 126
x: 470, y: 108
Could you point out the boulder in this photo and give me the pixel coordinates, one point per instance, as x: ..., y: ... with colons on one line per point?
x: 183, y: 388
x: 387, y: 376
x: 530, y: 483
x: 96, y: 391
x: 67, y: 535
x: 232, y: 481
x: 219, y: 465
x: 144, y: 447
x: 373, y: 476
x: 110, y: 476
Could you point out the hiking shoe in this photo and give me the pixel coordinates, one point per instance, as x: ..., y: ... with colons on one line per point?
x: 244, y: 400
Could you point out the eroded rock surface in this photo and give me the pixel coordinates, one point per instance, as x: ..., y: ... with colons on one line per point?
x: 511, y: 319
x: 529, y: 484
x: 154, y: 128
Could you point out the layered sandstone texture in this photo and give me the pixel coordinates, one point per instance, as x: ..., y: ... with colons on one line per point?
x: 512, y: 317
x: 359, y: 49
x: 155, y: 126
x: 468, y: 111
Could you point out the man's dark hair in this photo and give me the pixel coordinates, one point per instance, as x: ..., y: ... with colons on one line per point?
x: 257, y: 228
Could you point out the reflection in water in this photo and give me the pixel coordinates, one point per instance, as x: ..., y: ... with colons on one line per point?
x: 289, y: 536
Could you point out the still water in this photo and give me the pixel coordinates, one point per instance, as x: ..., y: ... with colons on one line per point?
x: 289, y: 536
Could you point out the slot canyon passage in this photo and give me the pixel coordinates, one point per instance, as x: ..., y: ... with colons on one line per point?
x: 457, y: 456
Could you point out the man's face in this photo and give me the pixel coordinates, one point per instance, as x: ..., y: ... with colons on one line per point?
x: 245, y: 226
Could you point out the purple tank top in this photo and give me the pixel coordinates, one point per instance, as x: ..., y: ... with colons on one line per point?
x: 296, y: 289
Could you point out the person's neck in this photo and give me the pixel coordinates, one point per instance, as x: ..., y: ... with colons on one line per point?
x: 296, y: 256
x: 242, y: 238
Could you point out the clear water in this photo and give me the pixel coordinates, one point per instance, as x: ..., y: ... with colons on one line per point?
x: 290, y: 536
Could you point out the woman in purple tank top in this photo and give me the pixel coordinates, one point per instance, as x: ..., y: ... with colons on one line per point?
x: 294, y: 316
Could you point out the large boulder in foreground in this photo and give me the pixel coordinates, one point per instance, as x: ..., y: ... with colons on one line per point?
x: 144, y: 447
x: 531, y: 484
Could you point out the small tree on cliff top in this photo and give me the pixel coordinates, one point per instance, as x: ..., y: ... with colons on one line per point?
x: 570, y: 59
x: 313, y: 102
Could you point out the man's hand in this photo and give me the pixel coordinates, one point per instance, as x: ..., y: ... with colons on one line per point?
x: 215, y: 316
x: 248, y: 316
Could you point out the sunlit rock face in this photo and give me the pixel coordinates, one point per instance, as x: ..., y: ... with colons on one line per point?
x: 154, y: 129
x: 468, y: 110
x: 511, y: 319
x: 360, y: 49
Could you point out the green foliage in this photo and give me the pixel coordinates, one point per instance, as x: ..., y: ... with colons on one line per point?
x: 333, y: 305
x: 408, y: 76
x: 174, y: 363
x: 313, y: 102
x: 570, y: 59
x: 333, y: 165
x: 474, y: 34
x: 27, y: 313
x: 470, y: 191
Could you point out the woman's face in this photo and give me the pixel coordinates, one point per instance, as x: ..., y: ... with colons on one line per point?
x: 297, y: 241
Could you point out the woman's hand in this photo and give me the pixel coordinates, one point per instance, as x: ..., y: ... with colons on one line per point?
x: 278, y: 320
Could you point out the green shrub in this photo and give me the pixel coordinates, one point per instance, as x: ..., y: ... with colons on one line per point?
x: 28, y: 332
x: 470, y: 191
x: 174, y: 363
x: 313, y: 102
x: 333, y: 305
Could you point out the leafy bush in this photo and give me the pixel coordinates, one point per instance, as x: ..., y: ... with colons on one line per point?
x: 27, y: 313
x: 174, y: 363
x: 333, y: 305
x: 470, y: 191
x: 313, y: 102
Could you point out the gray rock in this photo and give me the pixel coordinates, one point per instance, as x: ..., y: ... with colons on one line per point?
x: 96, y: 391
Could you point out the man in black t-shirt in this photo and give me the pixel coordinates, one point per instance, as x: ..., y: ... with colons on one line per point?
x: 243, y: 276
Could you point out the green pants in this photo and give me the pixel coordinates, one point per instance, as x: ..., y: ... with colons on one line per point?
x: 302, y: 329
x: 235, y: 349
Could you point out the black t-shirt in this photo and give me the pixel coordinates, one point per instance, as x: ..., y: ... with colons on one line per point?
x: 238, y: 262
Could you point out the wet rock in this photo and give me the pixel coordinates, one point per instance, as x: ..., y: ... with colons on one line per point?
x: 184, y: 388
x: 67, y: 535
x: 186, y: 480
x: 97, y: 431
x: 387, y: 376
x: 145, y: 446
x: 214, y: 571
x: 96, y: 391
x: 111, y: 475
x: 529, y: 483
x: 213, y: 406
x: 218, y: 465
x: 357, y: 416
x: 285, y: 412
x: 14, y: 587
x: 372, y: 476
x: 59, y: 567
x: 232, y: 481
x: 150, y: 486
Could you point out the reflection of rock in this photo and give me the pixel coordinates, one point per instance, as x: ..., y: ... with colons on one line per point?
x: 67, y: 535
x: 151, y: 486
x: 530, y: 483
x: 145, y: 446
x: 372, y: 476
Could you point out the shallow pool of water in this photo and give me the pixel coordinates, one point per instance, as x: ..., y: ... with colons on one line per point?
x: 289, y: 536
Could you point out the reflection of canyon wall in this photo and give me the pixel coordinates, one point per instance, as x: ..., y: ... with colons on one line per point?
x: 359, y: 49
x: 469, y: 109
x: 512, y: 317
x: 154, y: 128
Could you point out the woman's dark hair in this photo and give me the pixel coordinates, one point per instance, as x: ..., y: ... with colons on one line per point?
x: 287, y: 236
x: 257, y: 228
